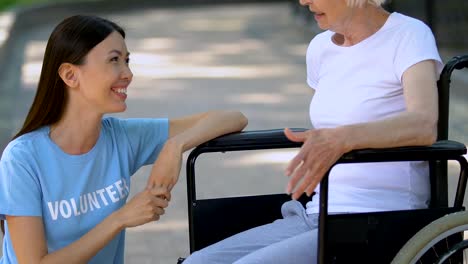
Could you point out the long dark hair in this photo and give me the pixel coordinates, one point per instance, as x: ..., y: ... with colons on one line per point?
x: 70, y: 42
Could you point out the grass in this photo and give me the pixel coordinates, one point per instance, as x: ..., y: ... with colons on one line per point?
x: 5, y: 4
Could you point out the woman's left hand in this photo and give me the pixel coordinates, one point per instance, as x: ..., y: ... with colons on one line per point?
x: 166, y: 169
x: 321, y: 149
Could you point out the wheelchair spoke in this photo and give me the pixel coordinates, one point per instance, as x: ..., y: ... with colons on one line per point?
x: 435, y: 252
x: 447, y: 247
x: 454, y: 251
x: 448, y: 250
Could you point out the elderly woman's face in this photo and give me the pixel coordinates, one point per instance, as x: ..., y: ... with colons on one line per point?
x: 329, y: 14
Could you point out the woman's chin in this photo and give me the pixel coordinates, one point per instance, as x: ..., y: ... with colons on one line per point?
x: 118, y: 109
x: 322, y: 26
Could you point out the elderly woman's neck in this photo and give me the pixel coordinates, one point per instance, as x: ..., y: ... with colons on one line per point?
x: 361, y: 24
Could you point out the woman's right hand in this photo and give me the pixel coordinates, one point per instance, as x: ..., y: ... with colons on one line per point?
x: 144, y: 207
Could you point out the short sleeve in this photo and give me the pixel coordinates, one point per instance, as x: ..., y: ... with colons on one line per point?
x: 146, y: 137
x: 20, y: 191
x: 417, y: 44
x: 312, y: 65
x: 315, y: 52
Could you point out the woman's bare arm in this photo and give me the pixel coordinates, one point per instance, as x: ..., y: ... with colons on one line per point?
x: 193, y: 130
x: 29, y: 241
x: 186, y: 133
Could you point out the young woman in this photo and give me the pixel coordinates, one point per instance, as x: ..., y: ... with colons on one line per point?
x: 65, y: 177
x: 374, y: 76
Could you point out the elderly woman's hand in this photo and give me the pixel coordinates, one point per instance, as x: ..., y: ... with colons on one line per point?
x: 321, y: 149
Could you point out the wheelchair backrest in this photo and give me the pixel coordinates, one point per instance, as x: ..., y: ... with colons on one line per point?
x: 438, y: 169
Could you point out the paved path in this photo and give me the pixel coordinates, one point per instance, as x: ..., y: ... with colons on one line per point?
x: 248, y: 57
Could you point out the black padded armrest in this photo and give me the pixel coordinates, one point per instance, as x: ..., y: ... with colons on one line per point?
x: 272, y: 139
x: 250, y: 140
x: 440, y: 150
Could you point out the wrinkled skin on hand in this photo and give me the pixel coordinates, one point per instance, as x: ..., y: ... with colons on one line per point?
x: 321, y: 149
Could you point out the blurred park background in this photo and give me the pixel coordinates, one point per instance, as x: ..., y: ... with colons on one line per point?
x: 448, y: 19
x: 194, y: 55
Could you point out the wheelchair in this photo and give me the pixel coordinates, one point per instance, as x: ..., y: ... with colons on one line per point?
x: 432, y: 235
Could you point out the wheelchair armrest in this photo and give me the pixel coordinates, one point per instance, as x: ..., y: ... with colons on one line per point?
x: 440, y: 150
x: 250, y: 140
x: 275, y: 138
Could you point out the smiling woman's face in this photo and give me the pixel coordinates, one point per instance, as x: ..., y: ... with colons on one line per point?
x: 105, y: 76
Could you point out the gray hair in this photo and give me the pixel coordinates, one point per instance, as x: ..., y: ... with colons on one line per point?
x: 360, y: 3
x: 377, y: 2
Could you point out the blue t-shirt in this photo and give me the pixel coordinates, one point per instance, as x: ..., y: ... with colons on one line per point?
x: 73, y: 193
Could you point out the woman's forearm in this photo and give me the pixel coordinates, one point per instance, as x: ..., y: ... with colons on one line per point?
x: 85, y: 248
x: 211, y: 125
x: 406, y: 129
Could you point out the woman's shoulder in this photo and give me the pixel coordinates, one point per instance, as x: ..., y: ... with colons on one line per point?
x: 322, y: 37
x: 320, y: 41
x: 110, y: 121
x: 404, y: 23
x: 24, y: 145
x: 114, y: 124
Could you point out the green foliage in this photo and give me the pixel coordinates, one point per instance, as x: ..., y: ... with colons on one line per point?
x: 5, y: 4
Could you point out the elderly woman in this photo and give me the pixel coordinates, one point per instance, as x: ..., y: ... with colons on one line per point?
x: 374, y: 76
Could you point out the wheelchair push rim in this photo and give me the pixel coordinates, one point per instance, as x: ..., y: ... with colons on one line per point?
x: 432, y: 234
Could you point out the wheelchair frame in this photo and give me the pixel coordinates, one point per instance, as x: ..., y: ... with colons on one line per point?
x: 438, y: 154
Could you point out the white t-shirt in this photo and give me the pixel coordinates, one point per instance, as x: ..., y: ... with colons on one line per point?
x: 362, y: 83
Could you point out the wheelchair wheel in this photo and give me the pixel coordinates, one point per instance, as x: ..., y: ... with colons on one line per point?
x: 442, y: 241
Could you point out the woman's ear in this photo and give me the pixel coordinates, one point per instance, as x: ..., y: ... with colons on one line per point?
x: 68, y: 74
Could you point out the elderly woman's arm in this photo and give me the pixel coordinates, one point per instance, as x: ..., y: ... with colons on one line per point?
x: 416, y: 126
x: 323, y: 147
